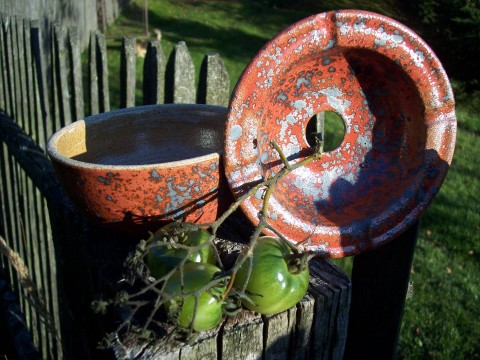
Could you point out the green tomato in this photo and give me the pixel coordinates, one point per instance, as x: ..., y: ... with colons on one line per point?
x: 209, y: 308
x: 160, y: 259
x: 277, y: 282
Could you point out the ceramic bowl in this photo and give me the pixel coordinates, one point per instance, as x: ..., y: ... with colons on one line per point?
x: 138, y: 168
x: 397, y: 107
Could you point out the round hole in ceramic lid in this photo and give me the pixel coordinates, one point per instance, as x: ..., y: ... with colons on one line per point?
x: 397, y: 106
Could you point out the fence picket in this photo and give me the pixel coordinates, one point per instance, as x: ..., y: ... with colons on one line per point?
x: 22, y: 81
x: 13, y: 180
x: 180, y: 76
x: 29, y: 90
x: 13, y: 214
x: 92, y: 73
x: 9, y: 74
x: 17, y: 84
x: 154, y: 74
x: 23, y: 188
x: 43, y: 129
x: 22, y: 181
x: 104, y: 96
x: 3, y: 67
x: 128, y: 72
x: 61, y: 69
x: 8, y: 226
x: 43, y: 124
x: 214, y: 83
x: 76, y: 73
x: 98, y: 73
x: 55, y: 106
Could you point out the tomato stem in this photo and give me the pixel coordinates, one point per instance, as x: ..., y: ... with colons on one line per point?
x: 229, y: 286
x: 297, y: 263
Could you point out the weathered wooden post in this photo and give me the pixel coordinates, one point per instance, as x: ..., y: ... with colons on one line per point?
x: 316, y: 328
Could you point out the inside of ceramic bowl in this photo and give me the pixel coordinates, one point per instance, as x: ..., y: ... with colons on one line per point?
x: 383, y: 149
x: 141, y: 137
x: 381, y: 156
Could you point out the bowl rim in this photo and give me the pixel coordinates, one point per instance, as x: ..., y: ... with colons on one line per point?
x: 56, y: 156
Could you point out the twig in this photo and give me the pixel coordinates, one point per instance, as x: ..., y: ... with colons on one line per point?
x: 170, y: 231
x: 34, y: 297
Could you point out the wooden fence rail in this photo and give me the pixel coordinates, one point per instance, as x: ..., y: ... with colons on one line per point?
x: 42, y: 100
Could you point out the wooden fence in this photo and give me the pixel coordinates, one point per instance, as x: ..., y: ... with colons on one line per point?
x: 85, y: 14
x: 42, y: 100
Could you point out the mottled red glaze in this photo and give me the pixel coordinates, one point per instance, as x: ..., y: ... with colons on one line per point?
x: 398, y: 108
x: 134, y: 173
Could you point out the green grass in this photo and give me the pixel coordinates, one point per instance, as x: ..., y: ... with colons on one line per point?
x: 442, y: 319
x: 204, y: 26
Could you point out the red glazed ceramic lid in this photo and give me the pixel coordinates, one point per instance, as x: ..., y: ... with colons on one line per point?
x: 397, y: 105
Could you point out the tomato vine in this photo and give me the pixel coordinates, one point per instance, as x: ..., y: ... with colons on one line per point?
x: 151, y: 291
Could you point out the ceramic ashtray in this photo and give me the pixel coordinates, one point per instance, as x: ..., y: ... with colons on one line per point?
x: 397, y: 106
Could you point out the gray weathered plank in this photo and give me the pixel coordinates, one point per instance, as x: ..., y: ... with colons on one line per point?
x: 29, y: 90
x: 15, y: 66
x: 38, y: 214
x: 9, y: 229
x: 278, y: 331
x: 93, y: 74
x: 214, y: 82
x: 43, y: 123
x: 24, y: 186
x: 13, y: 209
x: 154, y: 74
x: 127, y: 72
x: 3, y: 67
x: 62, y: 93
x: 53, y: 88
x: 76, y: 71
x: 98, y: 74
x: 19, y: 183
x: 180, y: 76
x: 242, y: 337
x: 305, y: 318
x: 204, y: 348
x: 10, y: 79
x: 22, y: 81
x: 333, y: 302
x: 103, y: 89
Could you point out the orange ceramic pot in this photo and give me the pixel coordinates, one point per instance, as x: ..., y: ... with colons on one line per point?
x: 138, y: 168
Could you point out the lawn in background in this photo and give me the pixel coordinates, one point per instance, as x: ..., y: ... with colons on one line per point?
x: 442, y: 318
